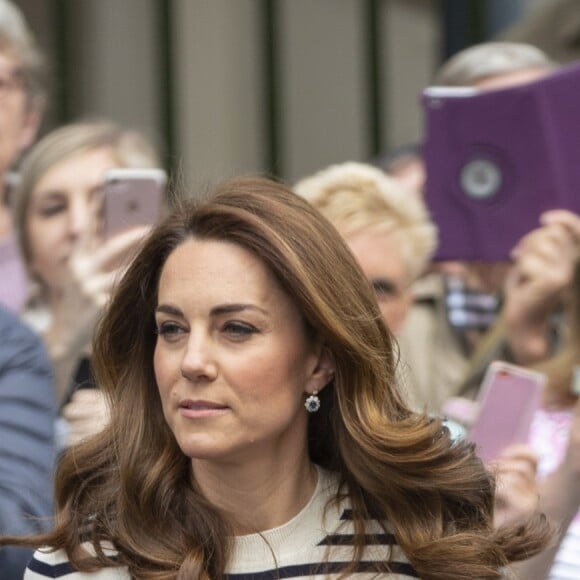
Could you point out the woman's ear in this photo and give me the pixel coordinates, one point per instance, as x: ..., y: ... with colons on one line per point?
x: 322, y: 372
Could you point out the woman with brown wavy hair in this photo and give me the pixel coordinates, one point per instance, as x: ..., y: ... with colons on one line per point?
x: 237, y: 313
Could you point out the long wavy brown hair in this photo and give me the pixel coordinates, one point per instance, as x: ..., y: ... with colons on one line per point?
x: 132, y: 486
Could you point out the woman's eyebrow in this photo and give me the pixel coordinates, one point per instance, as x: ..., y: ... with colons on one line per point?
x: 215, y: 311
x: 236, y: 307
x: 50, y: 194
x: 168, y: 309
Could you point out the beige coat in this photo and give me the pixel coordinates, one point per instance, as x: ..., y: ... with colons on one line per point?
x: 433, y: 361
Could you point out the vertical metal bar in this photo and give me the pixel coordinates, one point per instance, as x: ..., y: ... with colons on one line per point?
x: 166, y: 79
x: 271, y: 61
x: 477, y: 21
x: 464, y: 24
x: 374, y: 71
x: 455, y: 16
x: 63, y: 77
x: 501, y: 14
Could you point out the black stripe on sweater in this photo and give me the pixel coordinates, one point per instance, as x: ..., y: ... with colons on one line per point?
x: 309, y: 570
x: 51, y: 570
x: 348, y: 540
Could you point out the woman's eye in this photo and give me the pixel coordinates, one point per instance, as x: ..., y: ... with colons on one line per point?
x: 239, y: 329
x: 52, y: 210
x: 384, y: 289
x: 169, y: 330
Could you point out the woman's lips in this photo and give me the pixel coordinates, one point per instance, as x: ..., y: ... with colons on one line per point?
x: 191, y: 409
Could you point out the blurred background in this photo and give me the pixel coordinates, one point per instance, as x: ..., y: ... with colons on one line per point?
x: 281, y: 86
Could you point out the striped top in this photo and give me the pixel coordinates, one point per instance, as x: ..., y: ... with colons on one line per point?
x: 315, y: 544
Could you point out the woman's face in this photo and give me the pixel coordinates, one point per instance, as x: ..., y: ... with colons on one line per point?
x: 233, y: 360
x: 381, y: 259
x: 63, y: 206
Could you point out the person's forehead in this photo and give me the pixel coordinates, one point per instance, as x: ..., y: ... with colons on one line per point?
x: 7, y: 57
x: 379, y: 249
x: 512, y: 78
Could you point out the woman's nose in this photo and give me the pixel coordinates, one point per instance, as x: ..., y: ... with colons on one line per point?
x: 198, y: 363
x: 80, y: 217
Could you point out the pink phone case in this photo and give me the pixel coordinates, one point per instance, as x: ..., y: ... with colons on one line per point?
x: 132, y: 197
x: 509, y: 397
x: 13, y: 279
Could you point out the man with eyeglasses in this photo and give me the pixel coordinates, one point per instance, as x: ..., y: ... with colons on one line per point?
x: 27, y: 408
x: 22, y: 97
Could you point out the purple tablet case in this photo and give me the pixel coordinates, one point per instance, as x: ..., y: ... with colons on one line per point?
x: 496, y: 160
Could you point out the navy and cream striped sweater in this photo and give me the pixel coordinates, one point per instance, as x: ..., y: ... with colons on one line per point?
x: 315, y: 544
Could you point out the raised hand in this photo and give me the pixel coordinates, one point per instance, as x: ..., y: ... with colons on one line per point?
x: 517, y: 492
x: 85, y: 288
x: 86, y: 414
x: 543, y: 271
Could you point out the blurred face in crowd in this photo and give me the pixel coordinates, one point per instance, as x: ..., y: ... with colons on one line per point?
x: 409, y: 171
x: 379, y: 255
x: 63, y: 212
x: 18, y: 125
x: 233, y: 360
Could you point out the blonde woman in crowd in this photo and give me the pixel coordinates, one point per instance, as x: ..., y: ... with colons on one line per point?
x: 71, y: 267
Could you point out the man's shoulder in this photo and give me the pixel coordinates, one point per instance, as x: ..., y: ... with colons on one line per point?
x: 21, y: 346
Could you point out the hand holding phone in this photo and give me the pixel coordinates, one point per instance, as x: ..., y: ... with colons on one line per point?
x: 509, y: 397
x: 132, y: 197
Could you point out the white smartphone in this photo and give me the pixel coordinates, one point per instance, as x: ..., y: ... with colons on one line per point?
x: 132, y: 197
x: 508, y: 399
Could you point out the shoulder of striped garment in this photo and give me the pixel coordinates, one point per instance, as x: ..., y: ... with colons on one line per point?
x: 47, y: 563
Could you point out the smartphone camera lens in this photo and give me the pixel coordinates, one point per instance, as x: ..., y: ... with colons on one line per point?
x: 480, y: 179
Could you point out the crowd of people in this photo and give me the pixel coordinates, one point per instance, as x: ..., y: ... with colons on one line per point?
x: 274, y: 380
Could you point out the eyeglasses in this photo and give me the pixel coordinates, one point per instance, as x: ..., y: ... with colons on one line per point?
x: 10, y: 81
